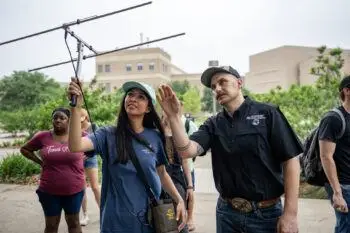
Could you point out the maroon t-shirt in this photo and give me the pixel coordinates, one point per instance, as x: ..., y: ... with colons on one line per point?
x: 62, y: 171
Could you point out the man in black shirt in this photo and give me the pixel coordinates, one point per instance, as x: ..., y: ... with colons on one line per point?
x: 335, y: 157
x: 251, y: 144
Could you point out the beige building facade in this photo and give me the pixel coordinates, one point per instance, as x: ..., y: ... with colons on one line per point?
x: 149, y: 65
x: 284, y: 66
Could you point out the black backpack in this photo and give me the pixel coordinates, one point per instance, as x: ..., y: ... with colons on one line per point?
x: 310, y: 160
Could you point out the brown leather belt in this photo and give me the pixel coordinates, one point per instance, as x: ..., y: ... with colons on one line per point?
x: 246, y: 206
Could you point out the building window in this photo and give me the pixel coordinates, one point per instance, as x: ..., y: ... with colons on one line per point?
x: 108, y: 87
x: 107, y: 68
x: 128, y: 67
x: 165, y: 68
x: 139, y: 66
x: 151, y: 66
x: 99, y: 68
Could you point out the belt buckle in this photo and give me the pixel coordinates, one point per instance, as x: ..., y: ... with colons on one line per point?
x: 241, y: 204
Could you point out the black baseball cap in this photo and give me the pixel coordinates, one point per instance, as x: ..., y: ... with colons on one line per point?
x: 344, y: 83
x: 210, y: 72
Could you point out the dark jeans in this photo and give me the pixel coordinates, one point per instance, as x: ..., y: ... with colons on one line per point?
x: 342, y: 219
x: 229, y: 220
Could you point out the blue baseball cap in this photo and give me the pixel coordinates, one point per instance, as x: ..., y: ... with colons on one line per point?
x: 142, y: 86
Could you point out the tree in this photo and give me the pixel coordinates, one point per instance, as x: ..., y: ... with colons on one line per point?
x: 192, y: 101
x: 328, y: 66
x: 102, y: 106
x: 304, y: 106
x: 26, y: 90
x: 180, y: 87
x: 207, y: 101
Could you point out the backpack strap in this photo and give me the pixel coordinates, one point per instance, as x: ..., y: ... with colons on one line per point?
x: 341, y: 115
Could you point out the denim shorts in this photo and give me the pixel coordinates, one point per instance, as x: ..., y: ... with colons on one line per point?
x: 53, y: 204
x: 91, y: 162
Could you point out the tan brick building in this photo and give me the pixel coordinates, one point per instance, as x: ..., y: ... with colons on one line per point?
x: 284, y: 66
x: 149, y: 65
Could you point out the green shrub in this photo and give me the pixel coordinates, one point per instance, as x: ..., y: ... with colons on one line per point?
x: 5, y: 144
x: 18, y: 142
x: 15, y: 168
x: 311, y: 192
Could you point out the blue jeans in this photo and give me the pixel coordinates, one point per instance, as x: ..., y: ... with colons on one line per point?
x: 229, y: 220
x: 342, y: 219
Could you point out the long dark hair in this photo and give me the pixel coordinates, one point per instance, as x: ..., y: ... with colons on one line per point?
x: 123, y: 137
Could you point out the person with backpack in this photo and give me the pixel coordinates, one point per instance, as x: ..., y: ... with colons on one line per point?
x: 190, y: 128
x: 255, y: 156
x: 334, y: 147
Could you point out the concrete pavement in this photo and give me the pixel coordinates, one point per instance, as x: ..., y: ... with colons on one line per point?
x: 21, y: 212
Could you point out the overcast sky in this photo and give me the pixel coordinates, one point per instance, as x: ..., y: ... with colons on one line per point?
x: 224, y: 30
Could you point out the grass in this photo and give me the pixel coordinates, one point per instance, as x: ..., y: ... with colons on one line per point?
x: 15, y: 168
x: 311, y: 192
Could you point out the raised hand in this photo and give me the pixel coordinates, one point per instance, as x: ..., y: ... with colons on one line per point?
x: 74, y: 89
x: 168, y: 101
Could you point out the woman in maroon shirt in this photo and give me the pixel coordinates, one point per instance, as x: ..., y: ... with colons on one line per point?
x: 62, y: 180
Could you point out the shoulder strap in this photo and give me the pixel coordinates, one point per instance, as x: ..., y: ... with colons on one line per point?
x: 187, y: 125
x: 140, y: 172
x: 336, y: 110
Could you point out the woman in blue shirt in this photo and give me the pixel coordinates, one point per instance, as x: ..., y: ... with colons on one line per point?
x: 124, y: 200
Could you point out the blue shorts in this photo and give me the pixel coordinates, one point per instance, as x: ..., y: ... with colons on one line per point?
x: 91, y: 162
x: 53, y: 204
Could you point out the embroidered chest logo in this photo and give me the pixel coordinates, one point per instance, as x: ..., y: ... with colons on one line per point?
x: 256, y: 118
x: 147, y: 150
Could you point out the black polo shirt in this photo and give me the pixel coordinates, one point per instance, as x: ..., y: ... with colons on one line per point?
x: 248, y: 149
x: 330, y: 128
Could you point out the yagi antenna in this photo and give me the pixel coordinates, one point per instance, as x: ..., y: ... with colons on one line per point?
x: 81, y: 44
x: 78, y: 21
x: 107, y: 52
